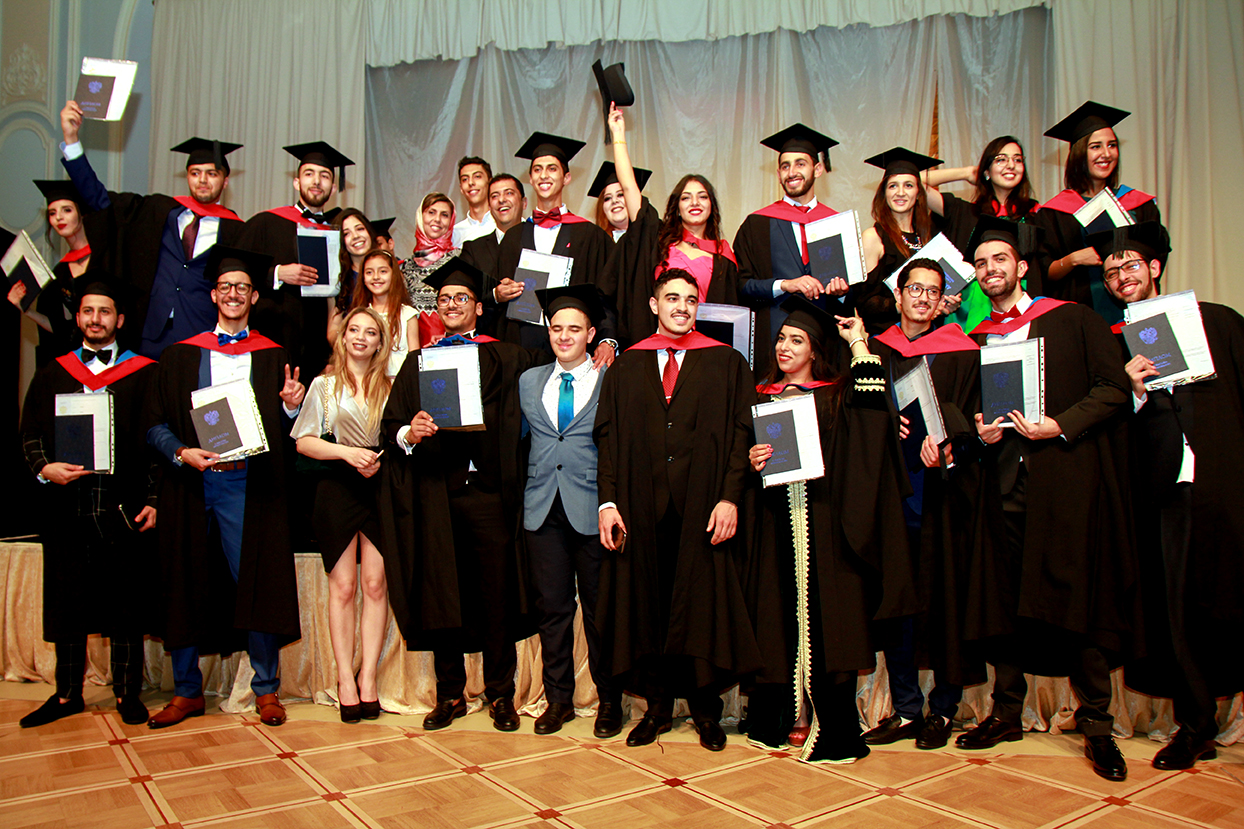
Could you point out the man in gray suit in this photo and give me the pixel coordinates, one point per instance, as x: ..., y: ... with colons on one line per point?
x: 559, y: 503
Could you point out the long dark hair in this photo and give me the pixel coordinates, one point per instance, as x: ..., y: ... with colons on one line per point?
x: 670, y: 233
x: 1076, y: 174
x: 397, y: 292
x: 1020, y: 199
x: 343, y: 255
x: 921, y: 216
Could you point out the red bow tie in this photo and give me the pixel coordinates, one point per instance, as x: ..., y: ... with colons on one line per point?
x: 551, y: 219
x: 1004, y: 316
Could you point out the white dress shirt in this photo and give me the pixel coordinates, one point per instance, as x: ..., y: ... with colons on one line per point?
x: 1021, y: 333
x: 546, y: 237
x: 794, y: 226
x: 583, y: 381
x: 470, y: 228
x: 98, y: 366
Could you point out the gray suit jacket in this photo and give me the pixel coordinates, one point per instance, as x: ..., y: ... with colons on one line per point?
x: 562, y: 462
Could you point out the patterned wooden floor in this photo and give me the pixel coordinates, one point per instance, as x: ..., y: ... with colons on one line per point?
x: 229, y: 771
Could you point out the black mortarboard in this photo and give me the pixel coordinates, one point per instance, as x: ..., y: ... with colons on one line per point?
x: 614, y: 88
x: 902, y: 160
x: 1089, y: 117
x: 608, y: 174
x: 583, y: 296
x: 323, y: 154
x: 383, y: 227
x: 542, y: 144
x: 1149, y: 239
x: 1023, y: 237
x: 800, y: 139
x: 206, y: 151
x: 225, y: 259
x: 809, y: 317
x: 98, y: 285
x: 457, y: 272
x: 59, y: 189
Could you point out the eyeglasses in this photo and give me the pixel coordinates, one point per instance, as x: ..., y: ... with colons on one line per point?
x: 1001, y: 160
x: 1128, y: 268
x: 241, y: 288
x: 914, y: 291
x: 444, y: 300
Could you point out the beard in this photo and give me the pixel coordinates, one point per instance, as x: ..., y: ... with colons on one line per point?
x: 314, y: 201
x: 801, y: 190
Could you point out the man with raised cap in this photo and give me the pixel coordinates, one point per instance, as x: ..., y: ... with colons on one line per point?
x: 226, y: 564
x: 771, y: 244
x: 158, y: 244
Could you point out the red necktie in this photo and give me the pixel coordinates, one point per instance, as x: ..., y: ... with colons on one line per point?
x: 551, y: 219
x: 189, y: 235
x: 670, y: 375
x: 803, y: 232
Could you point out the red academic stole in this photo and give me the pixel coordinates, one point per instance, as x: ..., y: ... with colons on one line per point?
x: 76, y: 255
x: 1117, y: 328
x: 293, y: 214
x: 124, y: 367
x: 208, y: 211
x: 254, y: 342
x: 943, y: 340
x: 778, y: 388
x: 1040, y: 306
x: 721, y: 246
x: 687, y: 342
x: 1069, y: 201
x: 787, y: 212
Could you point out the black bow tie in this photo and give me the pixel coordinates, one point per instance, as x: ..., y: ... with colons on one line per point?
x: 103, y: 355
x: 318, y: 218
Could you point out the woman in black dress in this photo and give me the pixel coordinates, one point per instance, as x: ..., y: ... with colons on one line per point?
x: 53, y: 310
x: 347, y: 401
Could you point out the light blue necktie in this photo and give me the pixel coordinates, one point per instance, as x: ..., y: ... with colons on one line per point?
x: 565, y: 402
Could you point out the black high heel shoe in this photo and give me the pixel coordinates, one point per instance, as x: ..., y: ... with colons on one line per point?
x: 368, y: 710
x: 350, y: 714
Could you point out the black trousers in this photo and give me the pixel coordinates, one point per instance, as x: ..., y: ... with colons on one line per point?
x: 559, y: 557
x: 127, y: 666
x: 483, y: 547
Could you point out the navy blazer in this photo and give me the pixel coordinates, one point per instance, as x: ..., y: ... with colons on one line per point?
x: 562, y: 462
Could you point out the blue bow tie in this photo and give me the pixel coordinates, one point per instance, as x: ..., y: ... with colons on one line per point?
x: 225, y: 339
x: 456, y: 339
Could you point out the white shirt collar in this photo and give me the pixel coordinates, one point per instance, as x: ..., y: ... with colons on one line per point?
x: 810, y: 205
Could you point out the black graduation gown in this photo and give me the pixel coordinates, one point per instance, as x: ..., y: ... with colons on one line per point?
x: 961, y: 519
x: 483, y: 253
x: 1211, y: 414
x: 416, y: 536
x: 84, y: 594
x: 298, y: 323
x: 201, y: 603
x: 584, y: 242
x: 693, y: 453
x: 1064, y: 235
x: 58, y: 303
x: 632, y: 267
x: 126, y: 241
x: 1078, y: 569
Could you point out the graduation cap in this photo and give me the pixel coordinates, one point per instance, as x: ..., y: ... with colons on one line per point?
x: 1149, y: 239
x: 542, y: 144
x: 457, y: 272
x: 100, y: 285
x: 608, y: 174
x: 800, y: 139
x: 806, y: 316
x: 583, y: 296
x: 323, y: 154
x: 382, y: 227
x: 206, y: 151
x: 1024, y: 238
x: 225, y: 259
x: 57, y: 190
x: 899, y: 160
x: 614, y: 88
x: 1089, y: 117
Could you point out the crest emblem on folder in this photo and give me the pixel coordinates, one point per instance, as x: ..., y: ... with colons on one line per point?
x: 774, y: 430
x: 1149, y: 336
x: 1001, y: 379
x: 212, y: 417
x: 438, y: 386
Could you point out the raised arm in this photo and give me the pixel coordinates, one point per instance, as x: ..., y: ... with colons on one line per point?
x: 622, y: 163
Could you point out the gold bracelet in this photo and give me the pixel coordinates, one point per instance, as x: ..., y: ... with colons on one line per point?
x: 619, y: 142
x: 863, y: 340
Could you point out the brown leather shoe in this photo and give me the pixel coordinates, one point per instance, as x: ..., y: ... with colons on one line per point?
x: 271, y: 712
x: 177, y: 710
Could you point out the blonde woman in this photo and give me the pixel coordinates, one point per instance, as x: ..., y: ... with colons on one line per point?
x: 347, y: 401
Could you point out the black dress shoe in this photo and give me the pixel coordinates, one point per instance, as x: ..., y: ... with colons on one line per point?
x: 647, y: 730
x: 504, y: 717
x: 551, y: 721
x: 934, y: 733
x: 891, y: 730
x: 712, y: 736
x: 445, y: 712
x: 1107, y: 760
x: 989, y: 733
x: 608, y: 721
x: 52, y: 710
x: 132, y: 710
x: 1182, y: 752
